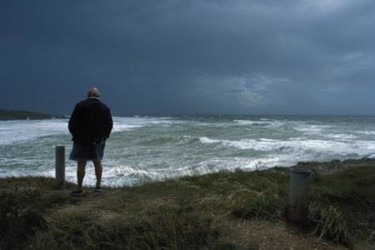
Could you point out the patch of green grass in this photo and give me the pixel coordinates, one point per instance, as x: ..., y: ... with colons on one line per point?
x: 264, y: 207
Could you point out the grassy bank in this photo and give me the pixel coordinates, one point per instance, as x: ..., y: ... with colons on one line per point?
x: 240, y: 210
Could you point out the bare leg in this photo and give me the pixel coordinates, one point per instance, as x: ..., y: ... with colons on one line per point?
x: 98, y: 173
x: 81, y: 173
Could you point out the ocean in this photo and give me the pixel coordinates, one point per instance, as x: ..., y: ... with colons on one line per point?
x: 143, y: 149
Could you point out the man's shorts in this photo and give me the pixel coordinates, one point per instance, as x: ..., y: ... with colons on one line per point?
x: 94, y: 152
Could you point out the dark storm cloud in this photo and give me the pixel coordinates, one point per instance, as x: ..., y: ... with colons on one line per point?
x: 196, y: 56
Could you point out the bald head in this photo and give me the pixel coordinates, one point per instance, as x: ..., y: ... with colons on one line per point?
x: 93, y: 92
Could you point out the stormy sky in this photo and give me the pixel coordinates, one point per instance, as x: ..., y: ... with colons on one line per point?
x: 161, y: 57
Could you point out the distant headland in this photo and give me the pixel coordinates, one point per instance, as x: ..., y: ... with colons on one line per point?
x: 26, y: 115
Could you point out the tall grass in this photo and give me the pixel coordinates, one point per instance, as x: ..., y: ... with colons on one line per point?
x: 342, y: 206
x: 20, y: 216
x: 186, y: 213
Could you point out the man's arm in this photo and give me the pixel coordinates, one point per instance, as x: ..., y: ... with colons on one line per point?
x: 73, y: 121
x: 108, y: 124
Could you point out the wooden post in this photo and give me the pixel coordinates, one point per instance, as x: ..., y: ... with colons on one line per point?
x: 298, y: 195
x: 60, y: 166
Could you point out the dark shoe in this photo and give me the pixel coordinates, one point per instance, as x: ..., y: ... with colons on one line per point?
x: 98, y: 190
x: 77, y: 192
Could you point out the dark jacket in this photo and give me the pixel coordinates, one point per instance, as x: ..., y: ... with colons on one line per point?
x: 90, y: 122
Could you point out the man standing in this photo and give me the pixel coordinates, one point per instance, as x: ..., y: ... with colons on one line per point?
x: 90, y: 125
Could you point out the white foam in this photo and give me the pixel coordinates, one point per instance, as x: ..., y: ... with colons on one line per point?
x: 19, y: 131
x: 131, y: 123
x: 310, y: 128
x: 340, y: 136
x: 259, y: 144
x: 250, y: 122
x: 365, y: 132
x: 208, y: 140
x: 299, y: 144
x: 118, y: 127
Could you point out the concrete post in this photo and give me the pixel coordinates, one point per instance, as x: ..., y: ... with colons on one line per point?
x: 60, y: 166
x: 298, y: 194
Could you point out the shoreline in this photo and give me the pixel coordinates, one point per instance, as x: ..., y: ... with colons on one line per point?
x: 327, y: 167
x: 318, y: 167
